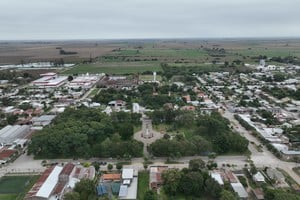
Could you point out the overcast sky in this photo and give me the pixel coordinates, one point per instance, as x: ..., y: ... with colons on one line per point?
x: 110, y: 19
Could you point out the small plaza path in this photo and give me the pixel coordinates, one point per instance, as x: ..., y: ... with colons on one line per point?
x: 147, y: 141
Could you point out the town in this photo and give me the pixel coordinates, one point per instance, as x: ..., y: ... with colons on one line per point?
x: 222, y: 130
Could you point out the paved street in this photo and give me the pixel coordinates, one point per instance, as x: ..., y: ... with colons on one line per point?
x: 265, y: 158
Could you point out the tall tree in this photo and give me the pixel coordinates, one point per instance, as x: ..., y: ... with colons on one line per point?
x: 171, y: 179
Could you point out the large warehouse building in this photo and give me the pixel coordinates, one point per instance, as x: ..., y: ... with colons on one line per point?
x: 10, y: 133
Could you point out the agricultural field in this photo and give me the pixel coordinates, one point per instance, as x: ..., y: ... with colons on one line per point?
x: 15, y: 187
x: 146, y: 56
x: 202, y: 55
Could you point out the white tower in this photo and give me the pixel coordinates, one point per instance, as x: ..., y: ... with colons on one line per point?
x: 154, y: 76
x: 135, y: 108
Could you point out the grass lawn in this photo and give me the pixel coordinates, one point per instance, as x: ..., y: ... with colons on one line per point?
x: 150, y: 77
x: 116, y: 68
x: 8, y: 196
x: 15, y: 187
x: 164, y: 196
x: 143, y: 184
x: 13, y: 184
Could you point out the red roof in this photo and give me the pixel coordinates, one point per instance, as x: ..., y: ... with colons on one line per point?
x: 67, y: 170
x: 231, y: 177
x: 6, y: 153
x: 111, y: 176
x: 40, y: 182
x: 59, y: 188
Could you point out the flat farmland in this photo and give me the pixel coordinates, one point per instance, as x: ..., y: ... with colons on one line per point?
x: 139, y: 56
x: 16, y: 52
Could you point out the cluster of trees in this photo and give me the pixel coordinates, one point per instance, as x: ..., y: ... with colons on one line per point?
x: 282, y: 93
x: 17, y: 77
x: 179, y: 146
x: 287, y: 59
x: 169, y: 71
x: 85, y: 189
x: 193, y: 181
x: 251, y: 103
x: 63, y: 52
x: 279, y: 194
x: 216, y: 129
x: 209, y: 133
x: 143, y: 95
x: 270, y: 119
x: 86, y: 132
x: 107, y: 95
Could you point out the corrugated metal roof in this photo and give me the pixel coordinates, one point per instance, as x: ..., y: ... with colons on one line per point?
x: 127, y: 173
x: 239, y: 189
x: 123, y: 191
x: 10, y: 133
x: 111, y: 176
x: 45, y: 118
x: 48, y: 186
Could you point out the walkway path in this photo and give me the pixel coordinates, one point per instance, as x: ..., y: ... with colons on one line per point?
x: 147, y: 141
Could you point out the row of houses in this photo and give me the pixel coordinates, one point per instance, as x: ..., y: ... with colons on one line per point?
x: 123, y: 185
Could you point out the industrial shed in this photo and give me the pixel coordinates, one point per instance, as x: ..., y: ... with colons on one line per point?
x: 10, y: 133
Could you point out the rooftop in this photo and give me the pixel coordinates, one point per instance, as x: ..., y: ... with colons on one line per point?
x: 50, y: 183
x: 127, y: 173
x: 240, y: 190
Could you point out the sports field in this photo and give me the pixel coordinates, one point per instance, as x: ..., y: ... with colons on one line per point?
x: 15, y: 187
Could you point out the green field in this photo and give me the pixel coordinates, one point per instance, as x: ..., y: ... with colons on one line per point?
x: 8, y: 196
x: 143, y: 184
x: 15, y: 187
x: 115, y: 69
x: 149, y: 77
x: 146, y: 57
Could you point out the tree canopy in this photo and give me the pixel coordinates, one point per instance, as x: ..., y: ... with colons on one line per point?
x: 85, y: 132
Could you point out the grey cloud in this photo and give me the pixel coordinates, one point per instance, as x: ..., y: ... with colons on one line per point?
x: 80, y: 19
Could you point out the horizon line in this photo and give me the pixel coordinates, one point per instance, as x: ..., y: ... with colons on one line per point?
x: 158, y: 38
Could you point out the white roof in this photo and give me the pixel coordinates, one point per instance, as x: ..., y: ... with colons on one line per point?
x: 123, y: 191
x: 239, y: 189
x: 48, y: 186
x: 259, y: 177
x: 217, y: 177
x: 127, y: 173
x: 44, y: 118
x: 131, y: 191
